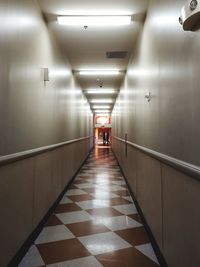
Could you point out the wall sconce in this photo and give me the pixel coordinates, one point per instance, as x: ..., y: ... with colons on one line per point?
x: 190, y: 15
x: 46, y: 74
x: 148, y: 96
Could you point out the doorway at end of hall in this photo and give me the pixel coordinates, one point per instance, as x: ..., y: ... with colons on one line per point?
x: 102, y: 136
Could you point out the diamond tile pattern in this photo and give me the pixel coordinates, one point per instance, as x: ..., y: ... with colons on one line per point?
x: 96, y: 224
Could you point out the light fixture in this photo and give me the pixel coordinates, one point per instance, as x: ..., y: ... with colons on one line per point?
x: 94, y: 20
x: 190, y: 15
x: 99, y: 72
x: 102, y: 114
x: 101, y: 91
x: 102, y: 111
x: 101, y: 107
x: 101, y: 101
x: 148, y: 96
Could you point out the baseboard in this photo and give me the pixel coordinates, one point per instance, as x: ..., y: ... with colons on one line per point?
x: 154, y: 244
x: 32, y: 237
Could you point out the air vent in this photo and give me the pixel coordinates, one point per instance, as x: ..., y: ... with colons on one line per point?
x: 116, y: 54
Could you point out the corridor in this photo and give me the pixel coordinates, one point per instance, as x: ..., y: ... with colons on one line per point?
x: 94, y: 95
x: 95, y: 224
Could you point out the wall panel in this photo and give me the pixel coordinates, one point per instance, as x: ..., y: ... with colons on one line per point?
x: 164, y: 62
x: 16, y: 206
x: 181, y: 218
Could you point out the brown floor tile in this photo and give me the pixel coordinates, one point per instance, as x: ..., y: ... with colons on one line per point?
x: 78, y: 198
x: 104, y: 212
x: 122, y: 193
x: 118, y: 201
x: 114, y: 178
x: 67, y: 208
x: 129, y: 257
x: 53, y: 220
x: 87, y: 228
x: 90, y: 190
x: 135, y: 236
x: 79, y: 182
x: 135, y: 217
x: 62, y: 251
x: 125, y: 186
x: 85, y: 177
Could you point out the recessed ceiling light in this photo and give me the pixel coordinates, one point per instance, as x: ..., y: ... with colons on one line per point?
x: 101, y: 91
x: 99, y: 72
x: 102, y: 111
x: 102, y: 114
x: 101, y: 107
x: 101, y: 100
x: 94, y: 20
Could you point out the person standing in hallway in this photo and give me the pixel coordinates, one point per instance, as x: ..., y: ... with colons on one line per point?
x: 104, y: 138
x: 107, y: 138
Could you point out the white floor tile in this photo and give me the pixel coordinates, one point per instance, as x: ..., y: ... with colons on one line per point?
x: 32, y: 258
x: 85, y: 185
x: 93, y: 204
x: 126, y: 209
x: 54, y: 233
x: 65, y: 200
x: 73, y: 217
x: 147, y: 250
x: 101, y: 181
x: 129, y: 198
x: 120, y: 223
x: 74, y: 192
x: 90, y: 261
x: 119, y: 182
x: 102, y: 243
x: 100, y: 194
x: 112, y: 187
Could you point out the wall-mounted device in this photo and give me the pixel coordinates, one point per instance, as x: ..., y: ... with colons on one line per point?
x: 148, y: 96
x: 46, y: 74
x: 190, y: 15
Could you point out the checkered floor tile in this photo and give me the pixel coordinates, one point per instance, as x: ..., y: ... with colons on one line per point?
x: 95, y: 224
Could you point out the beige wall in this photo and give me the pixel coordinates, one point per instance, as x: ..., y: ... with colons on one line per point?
x: 32, y: 115
x: 169, y: 200
x: 166, y: 63
x: 29, y: 187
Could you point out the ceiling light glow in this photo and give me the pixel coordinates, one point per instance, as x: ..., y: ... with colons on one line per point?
x: 99, y: 72
x: 101, y: 91
x: 101, y: 111
x: 94, y: 20
x: 101, y: 101
x: 101, y: 107
x: 102, y: 114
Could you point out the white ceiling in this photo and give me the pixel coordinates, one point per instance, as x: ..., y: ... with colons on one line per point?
x: 87, y: 48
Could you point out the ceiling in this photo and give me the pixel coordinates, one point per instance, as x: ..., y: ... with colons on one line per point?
x: 86, y: 48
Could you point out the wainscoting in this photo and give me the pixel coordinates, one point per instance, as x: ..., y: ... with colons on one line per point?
x: 30, y: 182
x: 167, y: 191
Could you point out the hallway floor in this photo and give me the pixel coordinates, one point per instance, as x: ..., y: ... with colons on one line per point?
x: 95, y: 224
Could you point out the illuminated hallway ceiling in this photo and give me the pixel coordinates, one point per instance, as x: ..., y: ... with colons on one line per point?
x: 88, y: 48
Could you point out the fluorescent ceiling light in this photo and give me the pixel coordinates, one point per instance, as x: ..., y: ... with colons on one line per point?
x: 102, y: 114
x: 99, y: 72
x: 101, y: 107
x: 101, y: 101
x: 94, y: 20
x: 101, y: 91
x: 101, y: 111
